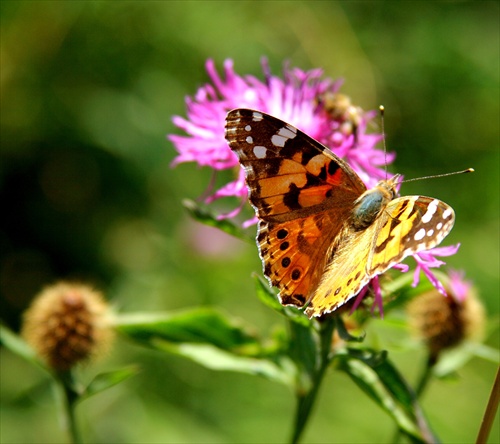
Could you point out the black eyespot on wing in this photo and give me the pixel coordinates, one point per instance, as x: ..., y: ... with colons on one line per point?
x: 284, y: 245
x: 296, y: 274
x: 281, y: 234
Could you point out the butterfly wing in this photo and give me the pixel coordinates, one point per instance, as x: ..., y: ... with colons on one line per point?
x: 302, y: 194
x: 407, y: 225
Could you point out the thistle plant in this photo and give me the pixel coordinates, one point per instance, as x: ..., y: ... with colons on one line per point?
x: 69, y: 323
x: 315, y: 105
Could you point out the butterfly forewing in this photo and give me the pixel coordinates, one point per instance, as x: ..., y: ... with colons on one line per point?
x: 289, y: 174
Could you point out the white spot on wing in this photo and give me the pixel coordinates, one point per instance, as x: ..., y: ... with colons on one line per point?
x: 248, y: 128
x: 249, y: 139
x: 431, y: 209
x: 278, y: 140
x: 257, y: 117
x: 419, y: 235
x: 288, y: 131
x: 285, y: 133
x: 260, y: 152
x: 439, y: 226
x: 430, y: 232
x: 447, y: 213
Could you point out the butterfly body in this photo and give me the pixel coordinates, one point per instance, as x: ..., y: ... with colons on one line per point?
x: 368, y: 206
x: 322, y: 235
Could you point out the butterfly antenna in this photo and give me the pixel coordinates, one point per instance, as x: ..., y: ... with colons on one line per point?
x: 382, y: 109
x: 468, y: 170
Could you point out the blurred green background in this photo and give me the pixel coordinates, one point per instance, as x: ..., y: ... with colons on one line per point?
x: 87, y: 94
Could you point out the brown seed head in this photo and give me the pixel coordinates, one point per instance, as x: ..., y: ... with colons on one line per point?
x: 68, y: 323
x: 444, y: 322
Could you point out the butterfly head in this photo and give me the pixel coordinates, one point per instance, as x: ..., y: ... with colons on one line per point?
x: 389, y: 186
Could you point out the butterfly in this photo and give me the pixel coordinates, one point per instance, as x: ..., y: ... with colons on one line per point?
x: 322, y: 235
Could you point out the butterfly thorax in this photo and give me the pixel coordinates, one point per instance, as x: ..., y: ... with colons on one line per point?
x: 369, y: 205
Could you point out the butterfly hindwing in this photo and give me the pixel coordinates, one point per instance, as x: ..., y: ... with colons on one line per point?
x: 294, y: 254
x: 408, y: 225
x: 345, y: 275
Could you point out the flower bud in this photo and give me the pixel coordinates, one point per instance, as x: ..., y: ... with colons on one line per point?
x: 68, y: 323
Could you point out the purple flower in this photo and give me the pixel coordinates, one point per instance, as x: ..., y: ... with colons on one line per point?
x: 460, y: 288
x: 426, y: 261
x: 297, y: 98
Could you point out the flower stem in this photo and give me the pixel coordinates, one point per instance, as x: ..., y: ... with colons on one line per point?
x: 68, y: 400
x: 425, y: 377
x: 306, y: 399
x: 491, y: 409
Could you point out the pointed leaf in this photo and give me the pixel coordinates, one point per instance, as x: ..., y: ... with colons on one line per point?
x: 105, y: 380
x: 304, y: 349
x: 267, y: 296
x: 452, y: 360
x: 344, y: 334
x: 208, y: 338
x: 221, y: 360
x: 202, y: 325
x: 206, y: 217
x: 18, y: 346
x: 377, y: 377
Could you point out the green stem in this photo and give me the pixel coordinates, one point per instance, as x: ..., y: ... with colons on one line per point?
x: 69, y: 398
x: 306, y: 400
x: 424, y: 379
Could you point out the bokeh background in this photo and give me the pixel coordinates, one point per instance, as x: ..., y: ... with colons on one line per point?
x: 88, y: 90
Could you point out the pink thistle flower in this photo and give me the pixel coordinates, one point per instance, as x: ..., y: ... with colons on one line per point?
x: 426, y: 260
x: 460, y: 288
x: 293, y: 98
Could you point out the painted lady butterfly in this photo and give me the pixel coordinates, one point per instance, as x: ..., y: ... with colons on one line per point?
x: 322, y: 235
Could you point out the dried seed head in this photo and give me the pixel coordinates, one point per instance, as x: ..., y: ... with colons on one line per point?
x: 68, y: 323
x: 444, y: 322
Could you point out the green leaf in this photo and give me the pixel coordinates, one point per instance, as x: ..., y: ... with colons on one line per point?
x: 18, y: 346
x: 105, y: 380
x: 378, y: 378
x: 216, y: 359
x: 344, y: 334
x: 206, y: 217
x: 208, y: 338
x: 201, y: 325
x: 304, y: 349
x: 452, y: 360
